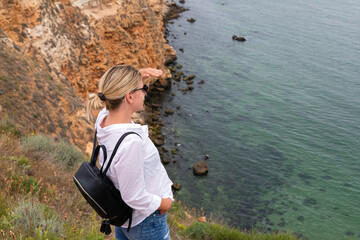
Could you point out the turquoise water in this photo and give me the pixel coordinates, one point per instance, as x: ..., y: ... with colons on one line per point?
x: 278, y: 114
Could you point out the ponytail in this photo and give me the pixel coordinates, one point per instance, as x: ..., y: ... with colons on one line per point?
x: 94, y: 103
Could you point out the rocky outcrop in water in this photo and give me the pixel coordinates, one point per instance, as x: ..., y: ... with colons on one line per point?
x: 200, y: 168
x: 240, y: 39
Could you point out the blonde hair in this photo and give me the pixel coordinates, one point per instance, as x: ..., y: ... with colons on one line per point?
x: 113, y: 86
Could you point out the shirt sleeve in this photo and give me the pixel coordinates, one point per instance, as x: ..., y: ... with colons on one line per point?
x: 129, y: 170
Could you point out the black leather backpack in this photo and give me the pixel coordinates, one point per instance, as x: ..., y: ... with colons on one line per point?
x: 100, y: 192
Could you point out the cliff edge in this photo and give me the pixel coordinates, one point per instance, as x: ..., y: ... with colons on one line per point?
x: 52, y: 54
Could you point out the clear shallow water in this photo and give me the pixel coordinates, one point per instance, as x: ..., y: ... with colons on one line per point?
x: 278, y: 114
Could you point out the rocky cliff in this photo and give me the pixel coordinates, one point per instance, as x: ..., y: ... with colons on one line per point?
x: 52, y: 54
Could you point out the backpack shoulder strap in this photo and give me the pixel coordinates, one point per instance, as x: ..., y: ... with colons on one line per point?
x: 116, y: 148
x: 93, y: 159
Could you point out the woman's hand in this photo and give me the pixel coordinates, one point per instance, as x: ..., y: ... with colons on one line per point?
x: 165, y: 205
x: 150, y: 72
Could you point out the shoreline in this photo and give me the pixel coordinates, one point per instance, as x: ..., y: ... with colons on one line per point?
x: 156, y: 110
x: 154, y: 107
x: 151, y: 115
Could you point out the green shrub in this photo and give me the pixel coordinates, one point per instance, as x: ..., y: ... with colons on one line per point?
x: 24, y: 184
x: 62, y: 153
x: 6, y: 222
x: 3, y: 206
x: 8, y: 127
x: 67, y: 155
x: 211, y: 231
x: 37, y: 143
x: 23, y: 161
x: 35, y: 219
x: 89, y: 232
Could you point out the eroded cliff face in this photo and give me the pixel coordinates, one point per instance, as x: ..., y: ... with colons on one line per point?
x: 60, y: 49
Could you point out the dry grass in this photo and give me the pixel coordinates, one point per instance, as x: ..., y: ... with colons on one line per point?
x: 38, y: 198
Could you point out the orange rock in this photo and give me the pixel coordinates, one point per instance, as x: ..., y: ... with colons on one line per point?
x: 63, y: 48
x: 89, y: 148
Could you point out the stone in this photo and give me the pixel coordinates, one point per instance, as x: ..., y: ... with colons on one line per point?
x: 159, y: 142
x: 206, y: 157
x: 182, y: 1
x: 200, y: 168
x: 173, y: 151
x: 202, y: 82
x: 173, y: 10
x: 154, y: 117
x: 177, y: 77
x: 179, y: 66
x: 164, y: 149
x: 172, y: 69
x: 191, y: 88
x: 185, y: 89
x: 169, y: 111
x: 189, y: 82
x: 181, y: 49
x: 191, y: 77
x: 176, y: 186
x: 178, y: 107
x: 164, y: 160
x: 240, y: 39
x: 192, y: 20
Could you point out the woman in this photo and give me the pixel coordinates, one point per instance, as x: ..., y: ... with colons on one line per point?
x: 136, y: 169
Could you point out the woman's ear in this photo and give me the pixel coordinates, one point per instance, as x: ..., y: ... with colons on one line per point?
x: 129, y: 97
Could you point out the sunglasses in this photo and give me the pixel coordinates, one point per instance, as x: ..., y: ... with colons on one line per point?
x: 144, y: 88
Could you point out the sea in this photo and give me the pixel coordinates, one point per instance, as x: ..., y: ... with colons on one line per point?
x: 276, y: 117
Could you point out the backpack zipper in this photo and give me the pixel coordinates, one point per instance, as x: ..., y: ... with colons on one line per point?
x: 89, y: 195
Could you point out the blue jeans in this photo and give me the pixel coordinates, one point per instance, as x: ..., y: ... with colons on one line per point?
x: 154, y: 227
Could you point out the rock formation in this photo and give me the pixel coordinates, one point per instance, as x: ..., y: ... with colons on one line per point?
x: 200, y: 168
x: 240, y: 39
x: 52, y: 54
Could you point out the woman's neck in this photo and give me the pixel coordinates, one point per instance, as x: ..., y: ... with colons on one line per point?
x: 116, y: 117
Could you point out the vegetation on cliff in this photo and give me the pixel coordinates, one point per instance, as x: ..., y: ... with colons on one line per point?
x: 38, y: 199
